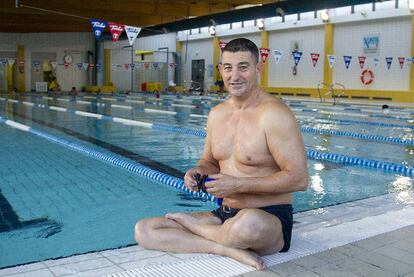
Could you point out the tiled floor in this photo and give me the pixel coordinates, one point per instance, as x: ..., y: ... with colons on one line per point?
x: 388, y: 254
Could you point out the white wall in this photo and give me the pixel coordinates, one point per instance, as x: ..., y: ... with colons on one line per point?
x: 310, y: 40
x: 121, y: 54
x: 197, y: 50
x: 394, y: 41
x: 77, y: 44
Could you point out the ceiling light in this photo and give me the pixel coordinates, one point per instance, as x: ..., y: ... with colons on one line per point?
x: 212, y: 30
x: 324, y: 15
x: 260, y: 23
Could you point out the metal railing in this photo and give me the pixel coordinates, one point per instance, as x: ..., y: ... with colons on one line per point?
x: 193, y: 86
x: 336, y: 90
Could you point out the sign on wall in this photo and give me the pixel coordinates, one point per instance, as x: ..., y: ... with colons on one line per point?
x: 371, y: 43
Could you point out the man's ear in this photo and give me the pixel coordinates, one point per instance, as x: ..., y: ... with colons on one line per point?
x: 259, y: 68
x: 220, y: 68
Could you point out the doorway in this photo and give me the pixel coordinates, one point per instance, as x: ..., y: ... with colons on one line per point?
x: 197, y: 74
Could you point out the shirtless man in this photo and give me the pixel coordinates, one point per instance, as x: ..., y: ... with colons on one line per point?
x: 255, y: 153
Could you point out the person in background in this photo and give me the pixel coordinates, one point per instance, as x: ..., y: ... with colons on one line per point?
x: 255, y: 156
x: 219, y: 82
x: 54, y: 85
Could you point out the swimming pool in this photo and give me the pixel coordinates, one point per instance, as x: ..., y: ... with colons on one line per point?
x: 57, y: 202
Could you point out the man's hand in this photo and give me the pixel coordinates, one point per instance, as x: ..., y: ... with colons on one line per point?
x: 223, y: 185
x: 189, y: 180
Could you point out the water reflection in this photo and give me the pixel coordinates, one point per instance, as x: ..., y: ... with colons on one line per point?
x: 403, y: 186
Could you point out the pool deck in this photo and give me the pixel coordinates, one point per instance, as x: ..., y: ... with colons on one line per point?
x: 386, y: 254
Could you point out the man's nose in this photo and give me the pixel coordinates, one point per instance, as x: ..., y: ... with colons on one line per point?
x: 235, y: 74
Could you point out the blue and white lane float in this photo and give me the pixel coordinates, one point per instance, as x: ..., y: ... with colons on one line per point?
x: 311, y: 154
x: 113, y: 159
x: 200, y: 133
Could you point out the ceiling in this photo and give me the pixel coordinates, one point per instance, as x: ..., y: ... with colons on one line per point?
x: 155, y: 16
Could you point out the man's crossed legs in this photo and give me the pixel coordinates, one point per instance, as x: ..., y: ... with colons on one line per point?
x: 250, y: 233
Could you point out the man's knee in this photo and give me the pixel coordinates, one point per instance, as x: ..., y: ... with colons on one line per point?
x: 142, y: 230
x: 247, y: 229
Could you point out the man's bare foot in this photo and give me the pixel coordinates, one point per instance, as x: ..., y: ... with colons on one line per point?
x: 196, y: 226
x: 185, y: 220
x: 244, y: 256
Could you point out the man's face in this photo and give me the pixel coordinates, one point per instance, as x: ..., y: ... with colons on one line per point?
x: 240, y: 72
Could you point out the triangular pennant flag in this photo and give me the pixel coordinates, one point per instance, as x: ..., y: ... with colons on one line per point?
x: 146, y: 65
x: 66, y: 65
x: 126, y: 66
x: 361, y: 60
x: 98, y: 66
x: 161, y: 66
x: 277, y: 54
x: 315, y: 58
x: 4, y: 62
x: 331, y: 60
x: 155, y: 65
x: 132, y: 33
x: 172, y: 65
x: 91, y: 66
x: 54, y: 64
x: 389, y: 62
x: 408, y: 61
x: 85, y: 66
x: 401, y: 60
x: 375, y: 61
x: 137, y: 66
x: 80, y: 66
x: 98, y: 27
x: 11, y: 61
x: 347, y: 60
x: 264, y: 53
x: 297, y: 55
x: 116, y: 30
x: 132, y: 65
x: 222, y: 44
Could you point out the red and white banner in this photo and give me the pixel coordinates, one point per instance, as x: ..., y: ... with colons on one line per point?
x: 361, y: 60
x: 264, y: 53
x: 315, y: 58
x: 222, y: 44
x: 401, y: 60
x: 116, y: 30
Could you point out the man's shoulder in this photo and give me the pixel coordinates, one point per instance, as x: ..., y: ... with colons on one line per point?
x: 273, y: 104
x: 219, y: 109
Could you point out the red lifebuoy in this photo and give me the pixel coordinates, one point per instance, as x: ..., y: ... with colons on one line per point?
x: 370, y: 78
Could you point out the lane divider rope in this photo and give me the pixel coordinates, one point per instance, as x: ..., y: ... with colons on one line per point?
x: 114, y: 160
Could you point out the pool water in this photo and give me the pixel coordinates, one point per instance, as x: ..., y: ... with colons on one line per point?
x: 56, y: 202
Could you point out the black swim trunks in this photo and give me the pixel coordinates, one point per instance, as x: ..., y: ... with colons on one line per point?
x: 283, y: 212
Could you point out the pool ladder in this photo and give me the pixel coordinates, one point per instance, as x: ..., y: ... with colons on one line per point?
x: 194, y: 87
x: 336, y: 90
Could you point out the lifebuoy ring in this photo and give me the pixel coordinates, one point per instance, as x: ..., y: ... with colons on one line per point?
x: 364, y: 79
